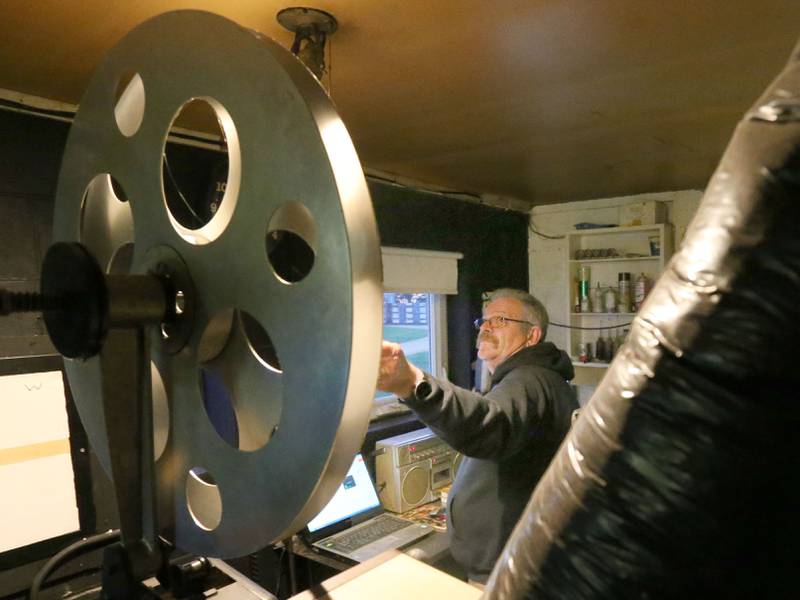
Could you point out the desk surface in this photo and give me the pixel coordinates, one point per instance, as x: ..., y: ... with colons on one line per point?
x: 391, y: 576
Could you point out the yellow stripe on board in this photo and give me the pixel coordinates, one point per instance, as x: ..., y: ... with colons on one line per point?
x: 9, y: 456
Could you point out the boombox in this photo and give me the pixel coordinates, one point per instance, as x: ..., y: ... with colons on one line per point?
x: 412, y: 468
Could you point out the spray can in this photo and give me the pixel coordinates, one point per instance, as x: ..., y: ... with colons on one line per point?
x: 624, y: 286
x: 584, y: 283
x: 641, y: 287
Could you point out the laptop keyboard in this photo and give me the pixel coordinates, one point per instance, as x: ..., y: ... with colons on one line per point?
x: 379, y: 527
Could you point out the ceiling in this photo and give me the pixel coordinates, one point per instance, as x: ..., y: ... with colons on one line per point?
x: 538, y: 101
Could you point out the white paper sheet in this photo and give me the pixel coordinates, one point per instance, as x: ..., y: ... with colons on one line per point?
x: 36, y: 478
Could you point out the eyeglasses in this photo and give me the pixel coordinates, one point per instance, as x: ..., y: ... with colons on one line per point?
x: 498, y: 322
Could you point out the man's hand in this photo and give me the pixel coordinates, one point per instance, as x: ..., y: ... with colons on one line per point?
x: 397, y: 375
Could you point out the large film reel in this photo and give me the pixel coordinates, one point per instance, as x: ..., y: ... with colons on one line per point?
x: 292, y: 168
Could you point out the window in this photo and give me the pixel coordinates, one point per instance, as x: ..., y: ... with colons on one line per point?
x: 417, y: 322
x: 415, y: 283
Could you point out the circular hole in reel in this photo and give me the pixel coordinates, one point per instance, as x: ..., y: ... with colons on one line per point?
x: 106, y: 224
x: 129, y: 101
x: 160, y: 412
x: 215, y: 336
x: 241, y: 380
x: 291, y: 242
x: 200, y: 183
x: 121, y: 260
x: 180, y: 302
x: 203, y: 499
x: 260, y: 343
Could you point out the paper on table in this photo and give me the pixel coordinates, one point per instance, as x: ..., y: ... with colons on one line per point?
x: 32, y: 409
x: 38, y: 500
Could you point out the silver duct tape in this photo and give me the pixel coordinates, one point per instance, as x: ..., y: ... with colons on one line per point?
x: 635, y: 502
x: 290, y: 155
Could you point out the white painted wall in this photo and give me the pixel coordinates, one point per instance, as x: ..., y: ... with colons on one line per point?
x: 546, y: 260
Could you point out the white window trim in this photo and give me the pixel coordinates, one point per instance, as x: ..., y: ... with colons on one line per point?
x: 439, y: 336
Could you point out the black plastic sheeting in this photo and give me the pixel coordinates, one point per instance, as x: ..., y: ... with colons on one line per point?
x: 680, y: 478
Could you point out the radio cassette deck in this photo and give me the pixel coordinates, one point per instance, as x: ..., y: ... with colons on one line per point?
x: 412, y: 468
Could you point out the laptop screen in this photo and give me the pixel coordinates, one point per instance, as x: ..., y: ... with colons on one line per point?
x: 355, y: 495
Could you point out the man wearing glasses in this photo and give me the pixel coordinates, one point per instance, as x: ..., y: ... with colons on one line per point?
x: 508, y: 435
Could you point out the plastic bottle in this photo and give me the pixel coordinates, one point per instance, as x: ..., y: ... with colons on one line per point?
x: 612, y: 347
x: 610, y: 300
x: 621, y: 339
x: 600, y: 348
x: 641, y: 287
x: 597, y: 299
x: 624, y: 286
x: 576, y: 306
x: 583, y: 288
x: 609, y: 347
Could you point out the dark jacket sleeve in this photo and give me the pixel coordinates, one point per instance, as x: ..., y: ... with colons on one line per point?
x: 489, y: 426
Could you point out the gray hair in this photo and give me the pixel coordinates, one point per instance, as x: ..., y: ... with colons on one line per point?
x: 535, y: 312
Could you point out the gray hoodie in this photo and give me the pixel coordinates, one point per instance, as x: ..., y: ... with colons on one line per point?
x: 508, y: 437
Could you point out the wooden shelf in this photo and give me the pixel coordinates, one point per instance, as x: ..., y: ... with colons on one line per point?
x: 607, y: 230
x: 590, y: 365
x: 583, y: 261
x: 603, y: 314
x: 588, y: 326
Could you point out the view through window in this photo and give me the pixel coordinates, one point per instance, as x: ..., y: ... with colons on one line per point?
x: 411, y: 321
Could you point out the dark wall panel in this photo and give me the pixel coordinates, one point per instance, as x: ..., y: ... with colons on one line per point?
x: 30, y: 157
x: 30, y: 153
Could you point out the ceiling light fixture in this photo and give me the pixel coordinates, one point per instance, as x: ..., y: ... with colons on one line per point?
x: 311, y: 28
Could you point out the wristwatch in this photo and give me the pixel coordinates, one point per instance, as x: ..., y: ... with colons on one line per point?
x: 422, y: 390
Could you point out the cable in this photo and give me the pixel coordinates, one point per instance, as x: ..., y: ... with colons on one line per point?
x: 292, y: 574
x: 255, y: 568
x: 591, y: 328
x: 330, y: 69
x: 186, y: 138
x: 61, y: 115
x: 178, y: 189
x: 441, y: 192
x: 75, y: 549
x: 535, y: 231
x: 544, y: 235
x: 277, y: 586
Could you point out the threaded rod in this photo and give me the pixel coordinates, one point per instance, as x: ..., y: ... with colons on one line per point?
x: 14, y: 302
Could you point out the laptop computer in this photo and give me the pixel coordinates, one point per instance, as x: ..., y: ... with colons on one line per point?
x: 354, y: 525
